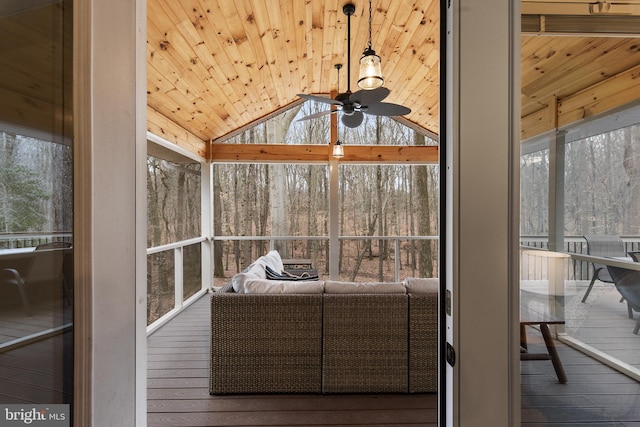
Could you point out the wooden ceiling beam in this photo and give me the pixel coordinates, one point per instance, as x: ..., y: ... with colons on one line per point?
x: 615, y: 92
x: 316, y: 153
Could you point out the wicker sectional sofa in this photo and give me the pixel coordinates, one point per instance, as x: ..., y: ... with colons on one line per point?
x: 269, y: 336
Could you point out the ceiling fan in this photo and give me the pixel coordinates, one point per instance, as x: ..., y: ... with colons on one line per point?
x: 354, y: 105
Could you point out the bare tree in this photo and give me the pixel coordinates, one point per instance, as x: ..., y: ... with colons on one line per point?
x: 425, y: 255
x: 218, y: 266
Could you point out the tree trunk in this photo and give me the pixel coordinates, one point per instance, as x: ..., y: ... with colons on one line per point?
x: 379, y: 214
x: 425, y: 258
x: 153, y: 215
x: 218, y: 266
x: 632, y: 167
x: 363, y: 251
x: 276, y: 130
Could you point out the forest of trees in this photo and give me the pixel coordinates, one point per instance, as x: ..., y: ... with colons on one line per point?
x: 601, y: 196
x: 173, y: 201
x: 602, y: 176
x: 36, y: 187
x: 602, y: 186
x: 293, y: 200
x: 173, y: 214
x: 253, y: 199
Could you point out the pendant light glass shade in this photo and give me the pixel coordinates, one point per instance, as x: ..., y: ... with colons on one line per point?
x: 370, y: 76
x: 338, y: 150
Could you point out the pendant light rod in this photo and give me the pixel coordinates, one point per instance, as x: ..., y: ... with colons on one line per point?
x: 349, y: 9
x: 370, y: 8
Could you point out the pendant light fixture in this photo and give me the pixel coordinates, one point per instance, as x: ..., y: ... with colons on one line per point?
x: 338, y: 150
x: 370, y: 69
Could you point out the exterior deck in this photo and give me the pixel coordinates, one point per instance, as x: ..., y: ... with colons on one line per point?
x: 178, y: 364
x: 178, y: 390
x: 178, y: 394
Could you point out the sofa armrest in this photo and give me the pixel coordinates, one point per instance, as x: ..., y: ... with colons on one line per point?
x: 226, y: 288
x: 265, y: 343
x: 423, y: 342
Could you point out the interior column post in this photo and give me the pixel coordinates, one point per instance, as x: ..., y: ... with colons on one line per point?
x: 334, y: 201
x: 556, y: 191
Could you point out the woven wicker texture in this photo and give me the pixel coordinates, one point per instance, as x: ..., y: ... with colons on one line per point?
x: 365, y: 343
x: 423, y: 343
x: 265, y: 343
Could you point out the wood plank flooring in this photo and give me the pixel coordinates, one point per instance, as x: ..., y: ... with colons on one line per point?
x: 178, y: 355
x: 602, y: 321
x: 36, y: 352
x: 47, y: 313
x: 595, y: 394
x: 178, y: 392
x: 39, y: 372
x: 178, y: 360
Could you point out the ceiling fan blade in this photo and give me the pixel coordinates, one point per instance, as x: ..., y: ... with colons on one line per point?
x: 318, y: 98
x: 354, y: 120
x: 368, y: 97
x: 314, y: 115
x: 387, y: 109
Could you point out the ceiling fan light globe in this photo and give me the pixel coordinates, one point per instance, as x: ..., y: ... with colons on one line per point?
x: 370, y: 76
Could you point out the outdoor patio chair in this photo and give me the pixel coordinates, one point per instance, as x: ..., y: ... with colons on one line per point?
x: 628, y: 284
x: 635, y: 256
x: 47, y: 265
x: 602, y: 246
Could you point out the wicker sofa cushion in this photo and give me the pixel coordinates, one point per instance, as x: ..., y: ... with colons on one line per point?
x: 335, y: 287
x: 422, y: 285
x: 266, y: 286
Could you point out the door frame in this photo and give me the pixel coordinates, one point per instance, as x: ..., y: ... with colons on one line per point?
x: 479, y: 172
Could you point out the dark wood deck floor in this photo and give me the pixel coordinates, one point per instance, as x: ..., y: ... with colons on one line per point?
x: 178, y: 390
x: 36, y: 351
x: 39, y: 371
x: 48, y: 314
x: 595, y: 395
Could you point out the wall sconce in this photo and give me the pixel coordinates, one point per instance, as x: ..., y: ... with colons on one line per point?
x: 338, y: 149
x: 370, y: 76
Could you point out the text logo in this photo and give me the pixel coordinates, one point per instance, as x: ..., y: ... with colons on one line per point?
x: 34, y: 415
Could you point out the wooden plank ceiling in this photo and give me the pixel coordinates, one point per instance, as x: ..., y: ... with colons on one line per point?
x: 33, y: 75
x: 216, y: 66
x: 579, y: 59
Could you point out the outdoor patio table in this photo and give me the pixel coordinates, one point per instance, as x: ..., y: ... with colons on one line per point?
x: 529, y: 317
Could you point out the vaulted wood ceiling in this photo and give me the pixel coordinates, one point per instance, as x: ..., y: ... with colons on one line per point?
x: 216, y: 66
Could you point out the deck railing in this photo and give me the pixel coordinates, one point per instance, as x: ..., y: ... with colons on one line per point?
x: 31, y: 240
x: 176, y: 272
x: 600, y: 326
x: 534, y: 268
x: 175, y: 277
x: 396, y: 265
